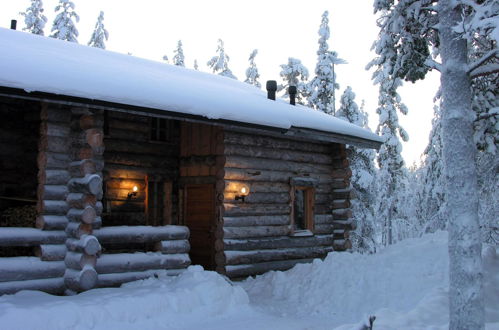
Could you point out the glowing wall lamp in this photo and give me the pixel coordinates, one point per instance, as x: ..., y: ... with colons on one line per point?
x: 133, y: 193
x: 242, y: 192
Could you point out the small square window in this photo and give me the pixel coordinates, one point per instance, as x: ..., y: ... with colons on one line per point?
x: 161, y: 129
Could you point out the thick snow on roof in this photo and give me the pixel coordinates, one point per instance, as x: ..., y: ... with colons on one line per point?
x: 42, y: 64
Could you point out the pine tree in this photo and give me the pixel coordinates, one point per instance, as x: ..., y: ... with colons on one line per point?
x: 363, y: 179
x: 252, y: 74
x: 100, y: 33
x: 178, y: 57
x: 322, y: 87
x: 411, y: 32
x: 220, y: 63
x: 294, y: 74
x: 64, y: 28
x: 390, y: 162
x: 34, y: 19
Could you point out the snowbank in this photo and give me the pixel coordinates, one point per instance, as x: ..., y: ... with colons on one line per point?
x: 404, y: 286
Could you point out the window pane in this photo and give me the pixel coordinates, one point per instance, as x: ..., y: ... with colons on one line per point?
x: 299, y: 210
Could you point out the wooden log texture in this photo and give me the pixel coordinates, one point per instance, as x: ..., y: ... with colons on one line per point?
x: 12, y: 236
x: 52, y: 192
x: 87, y: 244
x: 270, y: 153
x: 277, y: 243
x: 264, y: 220
x: 77, y: 260
x: 51, y: 252
x: 116, y: 279
x: 80, y: 201
x: 77, y: 230
x: 258, y: 256
x: 140, y: 234
x: 83, y: 167
x: 86, y: 215
x: 173, y: 246
x: 53, y: 177
x: 52, y: 207
x: 342, y: 244
x: 236, y: 271
x: 132, y: 262
x: 48, y: 285
x: 89, y: 184
x: 257, y: 231
x: 80, y: 280
x: 248, y: 162
x: 237, y: 174
x: 29, y: 268
x: 51, y: 222
x: 345, y: 224
x: 55, y: 114
x: 235, y: 210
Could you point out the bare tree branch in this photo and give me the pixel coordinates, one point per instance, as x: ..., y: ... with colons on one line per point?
x: 433, y: 64
x: 485, y: 70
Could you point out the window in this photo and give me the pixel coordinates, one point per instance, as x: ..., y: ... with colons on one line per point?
x: 302, y: 205
x: 161, y: 129
x: 302, y: 212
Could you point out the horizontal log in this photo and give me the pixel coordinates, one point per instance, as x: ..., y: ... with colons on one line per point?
x: 173, y: 246
x: 81, y: 280
x: 140, y: 234
x: 258, y: 198
x: 77, y: 260
x: 53, y: 160
x: 342, y: 244
x: 231, y: 186
x: 87, y: 244
x: 345, y: 224
x: 83, y: 167
x: 49, y: 207
x: 55, y: 129
x: 142, y: 134
x: 270, y: 176
x: 91, y: 120
x: 346, y: 193
x: 341, y: 204
x: 320, y: 219
x: 340, y: 163
x: 234, y: 210
x: 272, y: 142
x: 51, y: 222
x: 81, y: 200
x: 55, y: 177
x: 341, y: 234
x: 277, y: 243
x: 49, y: 285
x: 130, y: 125
x: 259, y: 231
x: 95, y: 138
x: 116, y: 279
x: 248, y: 162
x: 54, y: 113
x: 141, y: 160
x: 86, y: 215
x: 271, y: 153
x: 323, y: 229
x: 257, y: 256
x: 29, y: 268
x: 51, y: 252
x: 77, y: 230
x: 126, y: 262
x: 133, y: 147
x: 89, y: 184
x: 235, y: 271
x: 345, y: 173
x: 52, y: 192
x: 342, y: 214
x: 54, y: 144
x: 14, y: 236
x: 263, y: 220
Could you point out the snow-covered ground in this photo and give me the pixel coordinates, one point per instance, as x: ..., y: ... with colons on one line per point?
x: 404, y: 286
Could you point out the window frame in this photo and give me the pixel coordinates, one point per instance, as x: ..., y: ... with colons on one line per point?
x: 309, y: 206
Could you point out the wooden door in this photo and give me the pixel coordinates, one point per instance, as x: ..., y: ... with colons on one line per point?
x: 199, y: 216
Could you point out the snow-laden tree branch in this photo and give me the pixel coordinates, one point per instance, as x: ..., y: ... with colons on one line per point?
x: 489, y: 55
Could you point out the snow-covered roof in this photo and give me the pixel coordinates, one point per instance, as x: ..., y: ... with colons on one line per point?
x: 41, y: 64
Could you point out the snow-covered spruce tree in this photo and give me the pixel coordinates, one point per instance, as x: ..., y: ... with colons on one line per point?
x: 391, y: 165
x: 64, y: 27
x: 364, y: 238
x: 431, y: 183
x: 178, y: 57
x: 219, y: 63
x: 252, y: 74
x: 409, y: 30
x: 323, y: 85
x: 100, y: 33
x: 294, y: 74
x: 34, y: 19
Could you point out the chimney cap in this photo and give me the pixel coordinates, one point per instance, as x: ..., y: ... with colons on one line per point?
x: 13, y: 24
x: 271, y: 85
x: 292, y: 90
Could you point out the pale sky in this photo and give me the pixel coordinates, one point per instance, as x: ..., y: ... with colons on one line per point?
x: 277, y: 28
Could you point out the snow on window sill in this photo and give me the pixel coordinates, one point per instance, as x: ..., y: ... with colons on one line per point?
x: 302, y: 233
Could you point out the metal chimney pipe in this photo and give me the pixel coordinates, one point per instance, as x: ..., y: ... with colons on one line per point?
x: 13, y: 24
x: 292, y: 95
x: 271, y: 89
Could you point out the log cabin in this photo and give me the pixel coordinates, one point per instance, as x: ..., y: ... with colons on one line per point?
x: 115, y: 168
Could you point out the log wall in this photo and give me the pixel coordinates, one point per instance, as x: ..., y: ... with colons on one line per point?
x: 133, y: 159
x: 257, y: 235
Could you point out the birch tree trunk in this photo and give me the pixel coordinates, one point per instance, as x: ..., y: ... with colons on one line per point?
x: 466, y: 306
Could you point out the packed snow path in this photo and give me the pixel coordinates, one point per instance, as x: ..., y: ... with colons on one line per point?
x: 405, y: 286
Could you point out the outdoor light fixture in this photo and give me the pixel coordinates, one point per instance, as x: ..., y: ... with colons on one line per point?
x: 242, y: 192
x: 133, y: 193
